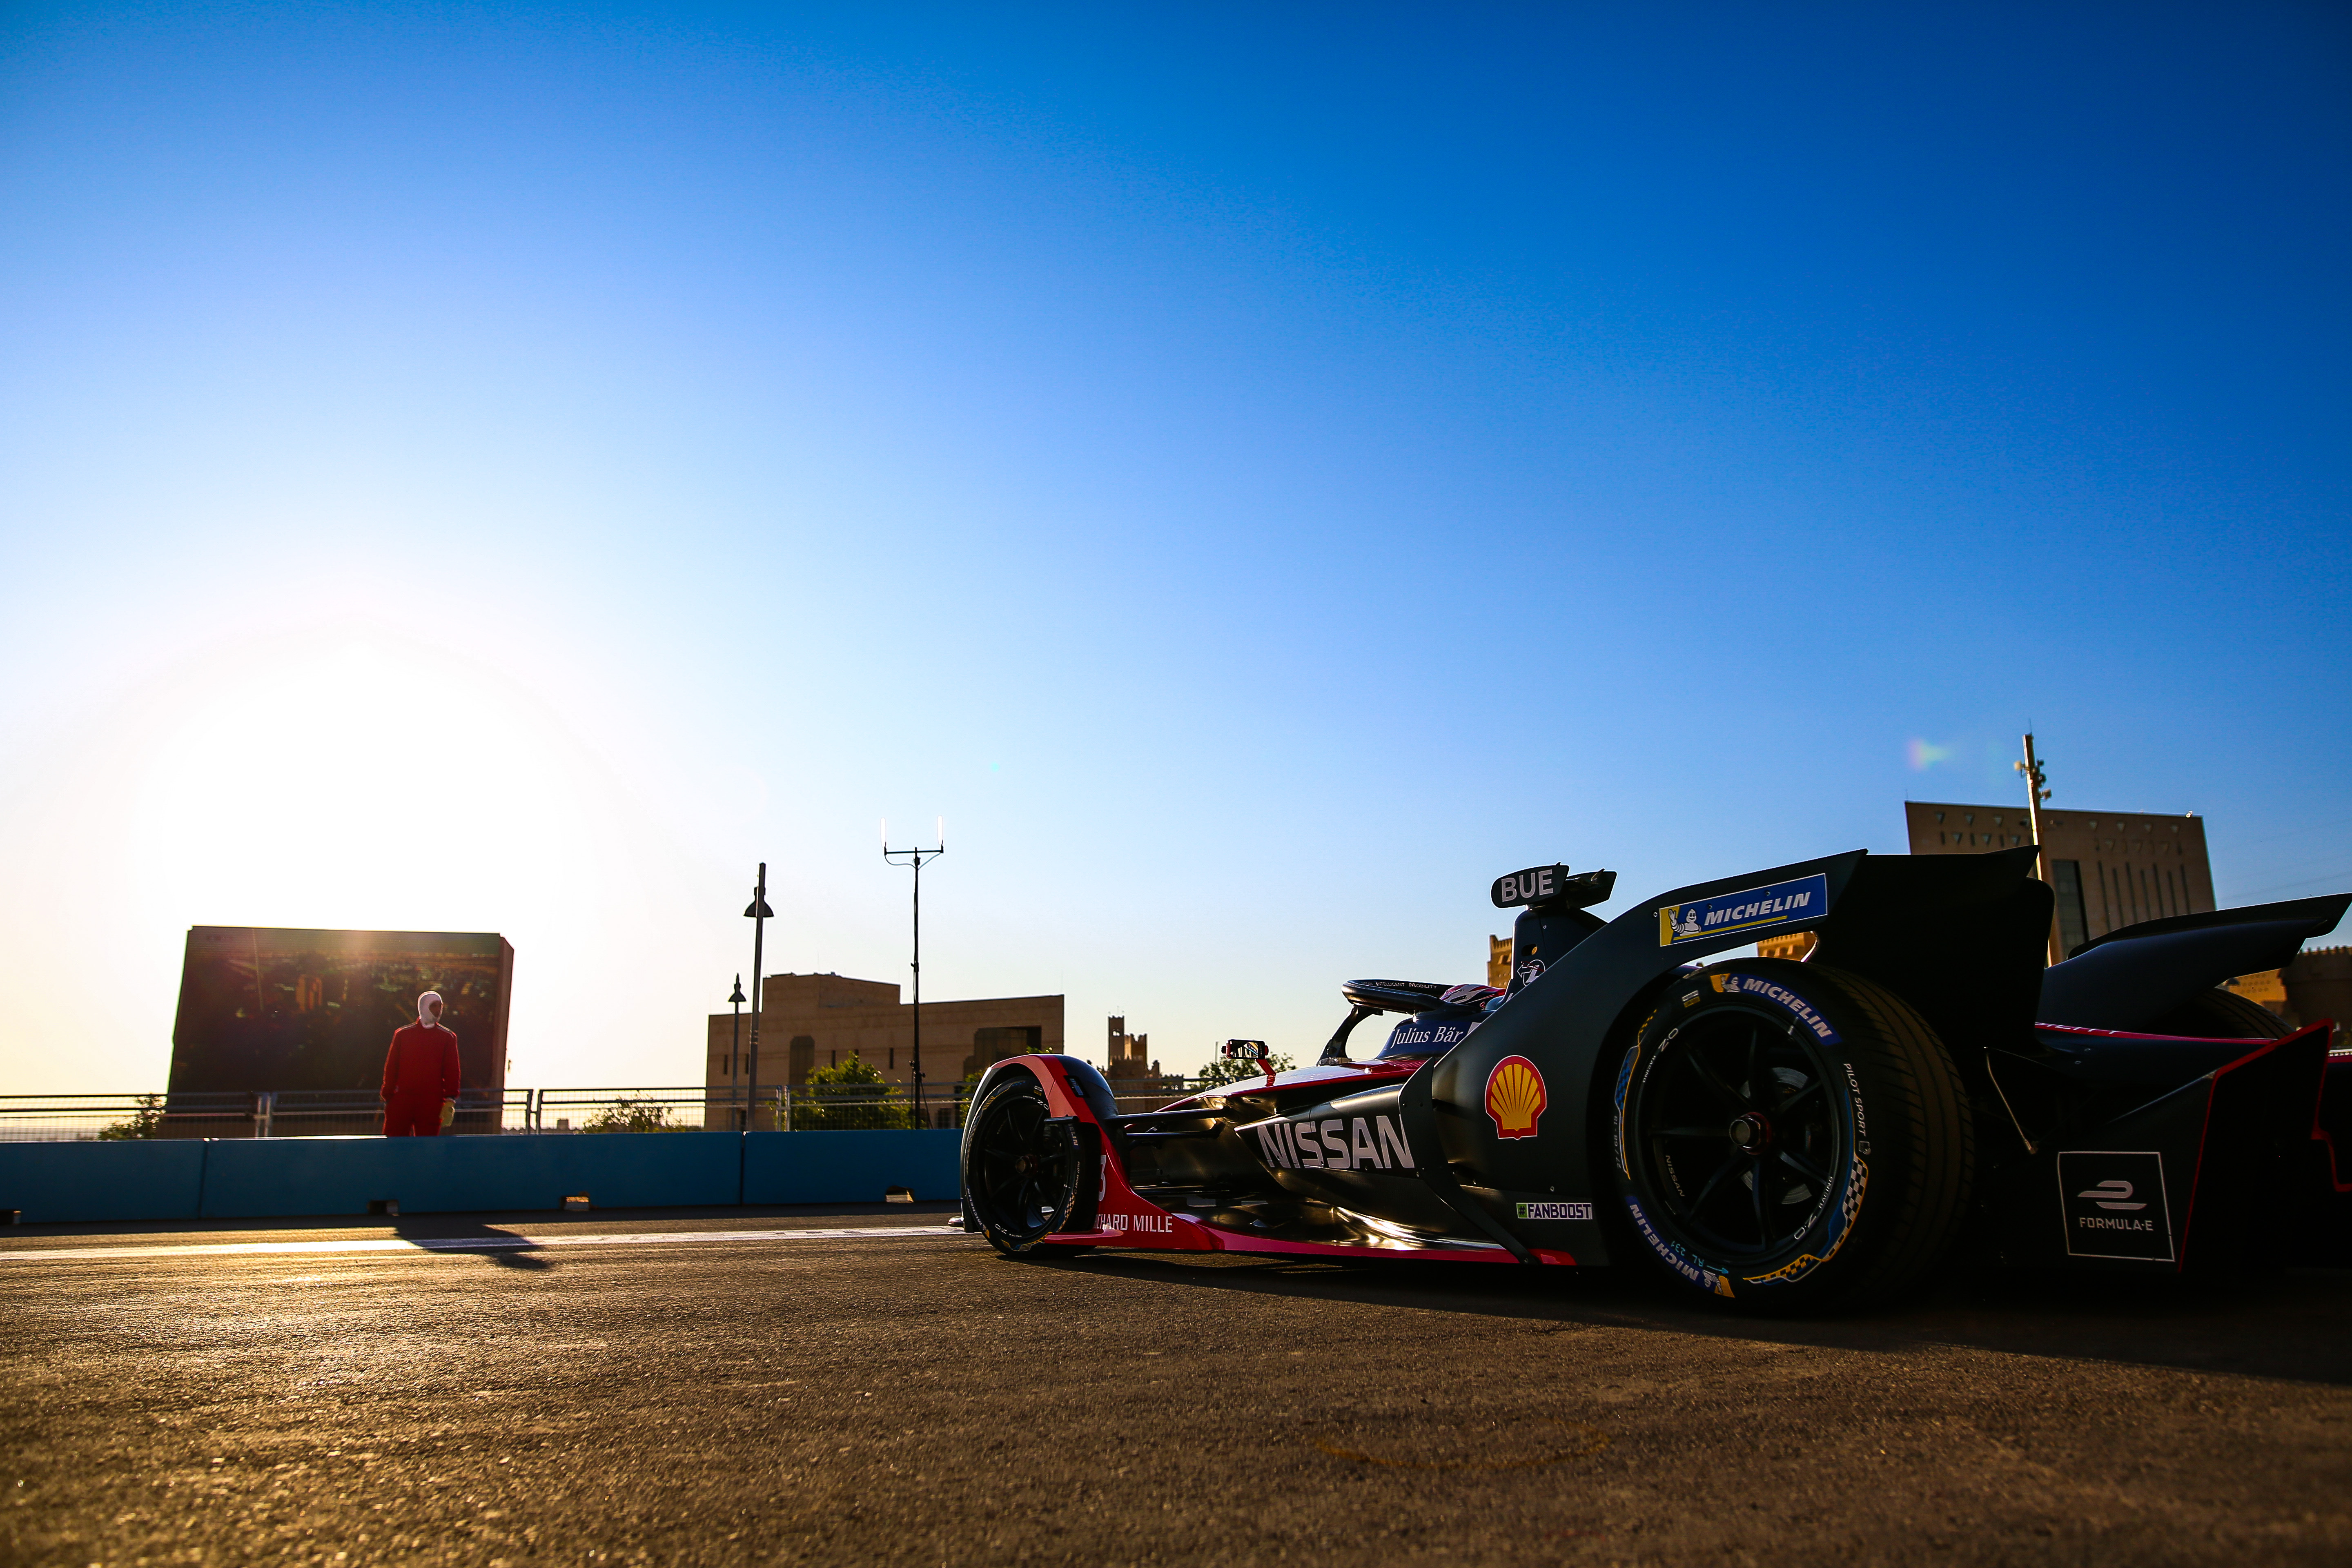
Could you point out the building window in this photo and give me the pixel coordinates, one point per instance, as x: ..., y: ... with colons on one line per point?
x: 894, y: 1058
x: 1939, y: 816
x: 2067, y: 881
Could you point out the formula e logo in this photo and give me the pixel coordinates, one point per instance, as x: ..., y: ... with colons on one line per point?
x: 2112, y: 1195
x: 2112, y: 1203
x: 1334, y: 1144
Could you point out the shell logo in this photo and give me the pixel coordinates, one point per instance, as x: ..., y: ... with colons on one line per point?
x: 1515, y: 1097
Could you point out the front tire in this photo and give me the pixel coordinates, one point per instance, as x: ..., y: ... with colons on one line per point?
x: 1790, y: 1137
x: 1022, y: 1166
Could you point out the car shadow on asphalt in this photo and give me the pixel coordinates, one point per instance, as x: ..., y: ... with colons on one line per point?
x: 504, y: 1247
x: 2293, y: 1323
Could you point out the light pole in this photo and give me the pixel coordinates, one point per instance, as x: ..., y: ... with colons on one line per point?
x: 735, y: 1045
x: 759, y: 914
x: 2037, y: 790
x: 916, y: 857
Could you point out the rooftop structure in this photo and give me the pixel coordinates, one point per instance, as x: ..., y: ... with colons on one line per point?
x: 2108, y: 868
x: 810, y: 1021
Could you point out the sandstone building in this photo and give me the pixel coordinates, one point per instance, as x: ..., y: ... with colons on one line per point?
x: 1128, y: 1054
x: 2317, y: 985
x: 809, y: 1020
x: 2108, y: 868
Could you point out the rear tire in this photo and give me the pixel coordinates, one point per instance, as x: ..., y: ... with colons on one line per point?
x: 2219, y: 1015
x: 1022, y: 1167
x: 1790, y: 1137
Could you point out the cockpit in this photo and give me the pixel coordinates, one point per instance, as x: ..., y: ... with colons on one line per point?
x: 1437, y: 1018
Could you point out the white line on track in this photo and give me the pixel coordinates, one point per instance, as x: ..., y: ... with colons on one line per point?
x: 470, y: 1243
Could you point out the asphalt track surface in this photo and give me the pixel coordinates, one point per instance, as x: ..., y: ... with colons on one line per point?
x: 862, y: 1386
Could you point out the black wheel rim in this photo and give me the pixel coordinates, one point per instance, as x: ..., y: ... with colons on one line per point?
x: 1737, y: 1133
x: 1023, y: 1172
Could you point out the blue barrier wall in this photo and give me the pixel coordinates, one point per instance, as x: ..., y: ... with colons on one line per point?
x: 251, y: 1178
x: 268, y: 1178
x: 136, y: 1179
x: 848, y: 1167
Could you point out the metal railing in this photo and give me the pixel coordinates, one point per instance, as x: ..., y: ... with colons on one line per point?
x: 267, y: 1113
x: 322, y: 1114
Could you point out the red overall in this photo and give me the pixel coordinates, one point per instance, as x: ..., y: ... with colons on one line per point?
x: 420, y: 1071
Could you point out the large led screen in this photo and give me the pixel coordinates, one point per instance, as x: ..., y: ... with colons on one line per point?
x: 262, y: 1008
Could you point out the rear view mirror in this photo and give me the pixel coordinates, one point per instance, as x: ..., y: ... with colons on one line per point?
x: 1245, y: 1050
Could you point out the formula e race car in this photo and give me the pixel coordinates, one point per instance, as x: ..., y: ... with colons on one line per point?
x: 1785, y: 1134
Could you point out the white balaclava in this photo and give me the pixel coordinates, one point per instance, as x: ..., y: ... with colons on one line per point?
x: 425, y: 1006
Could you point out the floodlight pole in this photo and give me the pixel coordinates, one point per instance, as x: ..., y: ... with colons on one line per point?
x: 2037, y: 790
x: 916, y: 857
x: 759, y: 914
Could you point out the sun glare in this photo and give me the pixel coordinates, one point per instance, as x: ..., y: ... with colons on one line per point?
x: 358, y: 781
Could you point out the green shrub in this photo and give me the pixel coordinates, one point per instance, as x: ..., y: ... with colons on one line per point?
x: 851, y: 1097
x: 630, y: 1116
x: 147, y: 1121
x: 1230, y: 1069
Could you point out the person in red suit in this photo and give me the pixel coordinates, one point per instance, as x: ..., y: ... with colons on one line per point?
x: 420, y: 1073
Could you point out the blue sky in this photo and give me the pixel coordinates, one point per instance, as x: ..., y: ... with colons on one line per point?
x: 1257, y: 474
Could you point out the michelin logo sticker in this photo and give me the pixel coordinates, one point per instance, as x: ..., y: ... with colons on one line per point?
x: 1731, y: 983
x: 1675, y: 1257
x: 1808, y: 898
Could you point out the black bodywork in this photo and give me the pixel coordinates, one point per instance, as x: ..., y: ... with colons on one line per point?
x: 2072, y: 1081
x: 1959, y: 937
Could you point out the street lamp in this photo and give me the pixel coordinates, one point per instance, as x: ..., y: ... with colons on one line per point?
x: 759, y: 914
x: 735, y: 1046
x: 916, y: 857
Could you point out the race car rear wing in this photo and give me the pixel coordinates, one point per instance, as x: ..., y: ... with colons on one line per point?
x: 2134, y: 976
